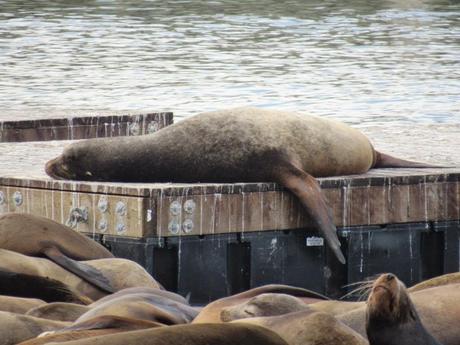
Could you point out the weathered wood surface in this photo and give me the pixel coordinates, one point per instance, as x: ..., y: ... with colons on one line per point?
x: 82, y: 127
x: 381, y: 196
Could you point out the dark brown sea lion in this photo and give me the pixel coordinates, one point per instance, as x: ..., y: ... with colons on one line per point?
x: 209, y: 334
x: 120, y: 273
x: 19, y: 305
x: 213, y: 311
x: 267, y: 304
x: 236, y: 145
x: 392, y: 318
x: 38, y: 236
x: 437, y: 307
x: 43, y: 288
x: 15, y: 328
x: 100, y: 326
x: 305, y: 327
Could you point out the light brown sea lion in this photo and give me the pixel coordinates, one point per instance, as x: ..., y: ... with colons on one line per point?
x: 99, y: 326
x: 38, y: 236
x: 306, y: 327
x: 120, y: 273
x: 60, y: 311
x: 437, y: 307
x: 19, y: 305
x: 212, y: 311
x: 209, y: 334
x: 15, y: 328
x: 392, y: 318
x: 445, y: 279
x: 336, y: 307
x: 235, y: 145
x: 267, y: 304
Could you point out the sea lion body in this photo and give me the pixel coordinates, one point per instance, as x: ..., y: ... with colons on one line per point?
x: 120, y: 273
x: 305, y: 327
x: 209, y: 334
x: 19, y: 305
x: 392, y: 318
x: 212, y: 312
x: 235, y: 145
x: 60, y: 311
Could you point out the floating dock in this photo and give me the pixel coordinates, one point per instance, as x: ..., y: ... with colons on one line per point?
x: 216, y: 239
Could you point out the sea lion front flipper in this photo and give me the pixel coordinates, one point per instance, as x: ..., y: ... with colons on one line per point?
x: 82, y: 270
x: 307, y: 189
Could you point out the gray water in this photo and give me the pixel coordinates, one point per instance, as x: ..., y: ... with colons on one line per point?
x: 363, y: 62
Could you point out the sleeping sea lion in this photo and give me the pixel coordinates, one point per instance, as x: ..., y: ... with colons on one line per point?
x: 38, y: 236
x: 212, y: 312
x: 305, y: 327
x: 392, y: 318
x: 209, y: 334
x: 235, y: 145
x: 19, y: 305
x: 445, y: 279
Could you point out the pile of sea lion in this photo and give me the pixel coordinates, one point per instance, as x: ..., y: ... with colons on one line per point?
x: 58, y: 286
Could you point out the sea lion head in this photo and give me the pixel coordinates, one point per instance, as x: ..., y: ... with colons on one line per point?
x: 267, y: 304
x: 68, y: 165
x: 389, y: 301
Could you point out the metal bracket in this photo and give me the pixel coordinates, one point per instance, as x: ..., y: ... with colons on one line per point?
x: 77, y: 215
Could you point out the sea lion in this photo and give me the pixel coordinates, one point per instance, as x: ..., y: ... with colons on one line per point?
x: 437, y: 307
x: 15, y: 328
x: 38, y: 236
x: 43, y: 288
x: 213, y: 311
x: 141, y: 306
x: 209, y: 334
x: 445, y: 279
x: 235, y: 145
x: 305, y: 327
x: 392, y: 318
x: 267, y: 304
x: 19, y: 305
x: 120, y: 273
x: 60, y: 311
x: 99, y: 326
x: 336, y: 307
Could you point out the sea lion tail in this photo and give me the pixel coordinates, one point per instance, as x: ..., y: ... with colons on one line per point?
x: 383, y: 160
x: 307, y: 189
x: 31, y: 286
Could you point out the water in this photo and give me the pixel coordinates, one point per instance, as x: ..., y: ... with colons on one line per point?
x: 363, y: 62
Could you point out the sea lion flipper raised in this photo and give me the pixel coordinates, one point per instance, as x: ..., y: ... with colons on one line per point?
x: 82, y: 270
x: 307, y: 189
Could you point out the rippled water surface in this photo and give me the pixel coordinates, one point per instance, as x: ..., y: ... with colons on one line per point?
x: 364, y: 62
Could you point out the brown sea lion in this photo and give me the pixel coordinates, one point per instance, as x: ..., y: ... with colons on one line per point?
x: 141, y: 306
x: 209, y: 334
x: 212, y: 311
x: 99, y: 326
x: 306, y: 327
x: 392, y: 318
x: 120, y: 273
x: 15, y: 328
x: 267, y: 304
x: 437, y: 307
x: 60, y: 311
x: 38, y: 236
x: 235, y: 145
x: 445, y: 279
x: 336, y: 307
x: 43, y: 288
x: 19, y: 305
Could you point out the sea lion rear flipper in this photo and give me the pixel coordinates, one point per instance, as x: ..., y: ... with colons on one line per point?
x: 84, y: 271
x: 307, y: 189
x: 383, y: 160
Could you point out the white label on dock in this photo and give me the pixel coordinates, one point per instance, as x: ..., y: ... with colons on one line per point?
x: 315, y: 241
